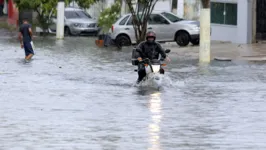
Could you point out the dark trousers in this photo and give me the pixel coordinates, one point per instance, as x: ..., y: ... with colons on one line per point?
x: 1, y: 9
x: 28, y: 48
x: 141, y: 72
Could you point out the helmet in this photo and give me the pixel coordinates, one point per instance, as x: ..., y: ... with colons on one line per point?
x: 150, y: 34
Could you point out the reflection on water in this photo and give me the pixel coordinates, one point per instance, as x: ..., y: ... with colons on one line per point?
x: 154, y: 127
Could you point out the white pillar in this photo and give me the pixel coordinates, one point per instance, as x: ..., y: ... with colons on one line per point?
x: 180, y: 8
x: 5, y: 7
x: 60, y: 23
x: 254, y: 21
x: 123, y: 9
x: 244, y: 22
x: 205, y: 37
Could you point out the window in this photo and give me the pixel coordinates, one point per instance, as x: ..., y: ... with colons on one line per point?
x: 71, y: 15
x: 157, y: 19
x: 83, y: 14
x: 124, y: 21
x: 129, y: 21
x: 224, y: 13
x: 76, y: 14
x: 174, y: 4
x: 171, y: 17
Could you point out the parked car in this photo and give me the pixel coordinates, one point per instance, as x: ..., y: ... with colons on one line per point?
x: 77, y: 22
x: 167, y: 26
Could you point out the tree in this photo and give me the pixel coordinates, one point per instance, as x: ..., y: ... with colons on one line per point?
x: 43, y: 8
x: 140, y: 17
x: 86, y: 3
x: 109, y: 15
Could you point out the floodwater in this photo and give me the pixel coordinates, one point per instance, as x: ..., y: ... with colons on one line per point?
x: 74, y: 96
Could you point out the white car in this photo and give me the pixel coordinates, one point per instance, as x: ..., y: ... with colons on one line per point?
x: 77, y: 22
x: 167, y: 26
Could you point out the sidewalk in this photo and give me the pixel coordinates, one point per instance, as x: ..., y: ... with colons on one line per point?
x: 224, y: 51
x: 5, y: 26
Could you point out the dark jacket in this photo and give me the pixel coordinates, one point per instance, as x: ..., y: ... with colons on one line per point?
x: 151, y: 51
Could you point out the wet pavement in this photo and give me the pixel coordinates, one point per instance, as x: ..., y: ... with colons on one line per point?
x: 74, y: 96
x: 225, y: 51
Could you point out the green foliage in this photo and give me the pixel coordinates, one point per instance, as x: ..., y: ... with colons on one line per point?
x: 109, y: 16
x: 86, y: 3
x: 42, y: 7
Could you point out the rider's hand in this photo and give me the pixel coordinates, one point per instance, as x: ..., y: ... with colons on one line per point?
x: 139, y: 59
x: 21, y: 45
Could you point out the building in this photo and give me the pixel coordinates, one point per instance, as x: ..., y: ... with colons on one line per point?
x: 13, y: 13
x: 236, y: 21
x: 231, y: 20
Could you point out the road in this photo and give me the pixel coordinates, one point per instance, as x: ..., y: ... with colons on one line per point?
x: 74, y: 96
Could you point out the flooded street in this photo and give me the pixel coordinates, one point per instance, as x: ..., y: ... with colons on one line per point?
x: 74, y: 96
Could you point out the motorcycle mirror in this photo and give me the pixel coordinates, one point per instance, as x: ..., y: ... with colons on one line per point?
x: 167, y: 51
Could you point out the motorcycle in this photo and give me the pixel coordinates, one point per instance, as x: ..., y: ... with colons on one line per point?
x: 154, y: 70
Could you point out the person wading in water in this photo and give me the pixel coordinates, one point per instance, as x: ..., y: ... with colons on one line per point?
x: 25, y: 38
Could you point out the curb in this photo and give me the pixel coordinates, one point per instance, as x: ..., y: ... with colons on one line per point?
x: 246, y: 58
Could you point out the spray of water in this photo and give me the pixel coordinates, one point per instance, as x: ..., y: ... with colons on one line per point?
x: 158, y: 81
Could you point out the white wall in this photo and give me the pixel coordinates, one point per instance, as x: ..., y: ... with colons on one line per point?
x: 163, y: 5
x: 180, y: 8
x: 96, y: 8
x: 242, y: 32
x: 223, y: 33
x: 244, y: 21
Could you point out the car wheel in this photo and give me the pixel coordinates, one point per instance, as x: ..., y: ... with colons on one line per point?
x: 67, y: 31
x: 123, y: 40
x: 182, y: 38
x: 195, y: 41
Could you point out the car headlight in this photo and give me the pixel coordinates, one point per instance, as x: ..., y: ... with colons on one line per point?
x: 78, y: 25
x: 195, y: 28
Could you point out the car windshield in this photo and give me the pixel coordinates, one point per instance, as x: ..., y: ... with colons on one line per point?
x: 77, y: 14
x: 171, y: 17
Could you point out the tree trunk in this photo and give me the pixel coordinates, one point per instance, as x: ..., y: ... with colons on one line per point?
x: 139, y: 21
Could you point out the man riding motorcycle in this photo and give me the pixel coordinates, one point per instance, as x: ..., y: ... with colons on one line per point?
x: 149, y: 49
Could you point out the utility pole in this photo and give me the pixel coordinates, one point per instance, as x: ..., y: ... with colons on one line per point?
x: 254, y: 21
x: 60, y: 23
x: 205, y: 33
